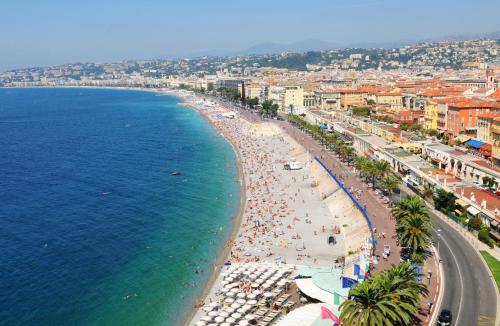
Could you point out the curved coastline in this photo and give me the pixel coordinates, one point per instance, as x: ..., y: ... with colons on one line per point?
x: 225, y: 251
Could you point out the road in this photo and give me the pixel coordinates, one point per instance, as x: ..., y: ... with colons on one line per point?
x: 469, y: 292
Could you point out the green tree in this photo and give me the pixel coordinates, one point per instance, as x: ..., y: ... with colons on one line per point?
x: 391, y: 182
x: 444, y: 201
x: 409, y: 206
x: 388, y: 298
x: 414, y: 231
x: 490, y: 182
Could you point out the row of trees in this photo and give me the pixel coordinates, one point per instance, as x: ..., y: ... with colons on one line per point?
x: 390, y: 297
x: 331, y: 140
x: 413, y: 227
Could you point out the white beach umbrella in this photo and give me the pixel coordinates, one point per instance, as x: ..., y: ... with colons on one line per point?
x: 224, y: 314
x: 251, y: 296
x: 229, y: 309
x: 213, y: 314
x: 230, y: 320
x: 257, y: 292
x: 226, y: 324
x: 206, y: 318
x: 241, y: 295
x: 235, y: 305
x: 243, y: 322
x: 241, y: 301
x: 268, y: 294
x: 255, y: 285
x: 236, y: 315
x: 250, y: 317
x: 229, y: 300
x: 213, y: 305
x: 231, y: 294
x: 219, y: 319
x: 200, y: 323
x: 252, y: 302
x: 207, y: 309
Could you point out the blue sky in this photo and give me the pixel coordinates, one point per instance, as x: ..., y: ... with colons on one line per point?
x: 46, y: 32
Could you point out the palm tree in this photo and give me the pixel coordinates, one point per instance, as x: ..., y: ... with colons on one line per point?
x: 388, y: 298
x: 410, y: 205
x: 360, y: 163
x: 428, y: 192
x: 367, y: 305
x: 414, y: 232
x: 391, y: 182
x: 380, y: 169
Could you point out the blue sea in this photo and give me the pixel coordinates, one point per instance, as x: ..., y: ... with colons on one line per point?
x: 94, y: 228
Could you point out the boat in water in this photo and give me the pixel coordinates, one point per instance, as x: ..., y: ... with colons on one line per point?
x: 175, y: 173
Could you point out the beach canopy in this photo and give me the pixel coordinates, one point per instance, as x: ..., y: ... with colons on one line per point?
x: 206, y: 318
x: 243, y: 322
x: 200, y: 323
x: 474, y: 143
x: 219, y: 319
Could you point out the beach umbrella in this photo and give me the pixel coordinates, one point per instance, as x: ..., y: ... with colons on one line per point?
x: 242, y: 310
x: 207, y: 309
x: 200, y: 323
x: 255, y: 285
x: 219, y: 319
x: 230, y: 279
x: 213, y: 314
x: 206, y: 318
x: 241, y: 301
x: 225, y: 324
x: 213, y: 305
x: 268, y: 294
x: 253, y: 277
x: 236, y: 315
x: 252, y: 302
x: 235, y: 305
x: 229, y: 300
x: 250, y: 317
x: 224, y: 314
x: 243, y: 322
x: 229, y: 309
x: 257, y: 292
x: 241, y: 295
x: 251, y: 296
x: 230, y: 320
x: 231, y: 294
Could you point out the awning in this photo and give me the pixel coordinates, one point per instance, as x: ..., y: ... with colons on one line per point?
x: 462, y: 138
x: 475, y: 143
x: 473, y: 211
x: 461, y: 203
x: 307, y: 287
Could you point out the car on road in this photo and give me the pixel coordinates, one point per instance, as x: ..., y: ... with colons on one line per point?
x: 444, y: 318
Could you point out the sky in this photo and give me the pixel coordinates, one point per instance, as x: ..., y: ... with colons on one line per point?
x: 49, y: 32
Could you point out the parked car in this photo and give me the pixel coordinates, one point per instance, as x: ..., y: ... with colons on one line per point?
x: 444, y: 318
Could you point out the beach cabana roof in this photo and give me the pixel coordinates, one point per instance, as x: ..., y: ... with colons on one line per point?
x: 307, y: 287
x: 308, y: 315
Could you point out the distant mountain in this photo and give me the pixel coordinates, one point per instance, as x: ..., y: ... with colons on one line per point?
x: 300, y: 46
x: 320, y: 45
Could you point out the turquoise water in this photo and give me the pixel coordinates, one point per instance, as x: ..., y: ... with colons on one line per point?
x: 95, y: 229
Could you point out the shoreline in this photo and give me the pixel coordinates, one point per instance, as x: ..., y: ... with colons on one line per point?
x: 226, y: 250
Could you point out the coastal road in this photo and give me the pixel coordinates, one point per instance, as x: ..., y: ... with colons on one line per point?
x: 468, y: 292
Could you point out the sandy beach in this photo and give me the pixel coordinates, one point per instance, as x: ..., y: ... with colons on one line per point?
x: 286, y: 216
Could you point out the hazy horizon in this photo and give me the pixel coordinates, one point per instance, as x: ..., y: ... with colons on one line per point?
x: 57, y: 32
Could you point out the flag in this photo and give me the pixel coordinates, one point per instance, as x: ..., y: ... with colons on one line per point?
x: 356, y: 269
x: 327, y: 314
x: 336, y: 298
